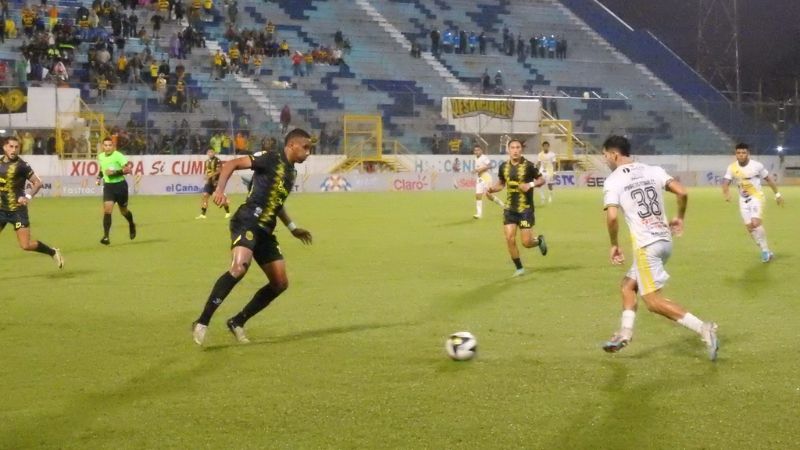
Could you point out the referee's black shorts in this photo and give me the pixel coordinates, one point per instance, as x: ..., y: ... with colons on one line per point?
x: 116, y: 192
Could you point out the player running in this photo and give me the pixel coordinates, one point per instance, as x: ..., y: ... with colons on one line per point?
x: 546, y: 162
x: 113, y: 168
x: 212, y: 166
x: 520, y: 177
x: 748, y: 174
x: 483, y: 169
x: 252, y: 230
x: 14, y: 173
x: 637, y: 190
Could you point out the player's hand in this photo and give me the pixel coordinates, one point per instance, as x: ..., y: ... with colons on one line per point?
x: 779, y: 200
x: 525, y: 187
x: 617, y: 257
x: 676, y: 227
x: 126, y: 170
x: 23, y: 201
x: 220, y: 199
x: 303, y: 235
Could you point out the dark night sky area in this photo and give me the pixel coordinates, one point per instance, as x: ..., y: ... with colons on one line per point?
x: 769, y: 39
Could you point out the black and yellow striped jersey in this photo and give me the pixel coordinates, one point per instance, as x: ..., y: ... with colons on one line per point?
x: 273, y: 180
x: 13, y: 176
x: 512, y: 175
x: 212, y: 167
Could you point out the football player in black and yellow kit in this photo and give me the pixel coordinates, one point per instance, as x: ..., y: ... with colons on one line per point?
x: 213, y: 166
x: 14, y: 174
x: 253, y: 230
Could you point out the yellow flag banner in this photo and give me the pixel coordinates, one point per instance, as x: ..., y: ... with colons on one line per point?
x: 464, y: 107
x: 13, y: 100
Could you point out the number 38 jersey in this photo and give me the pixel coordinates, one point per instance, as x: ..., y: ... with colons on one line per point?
x: 638, y: 189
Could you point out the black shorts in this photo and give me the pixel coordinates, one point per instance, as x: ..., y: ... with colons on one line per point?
x: 524, y: 220
x: 209, y: 188
x: 245, y: 232
x: 116, y: 192
x: 18, y: 219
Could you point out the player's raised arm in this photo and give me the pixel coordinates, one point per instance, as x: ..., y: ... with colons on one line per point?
x: 228, y: 168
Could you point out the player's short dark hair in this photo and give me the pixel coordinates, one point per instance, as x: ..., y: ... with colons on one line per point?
x: 294, y: 134
x: 742, y: 145
x: 522, y: 144
x: 108, y: 138
x: 619, y: 143
x: 545, y: 143
x: 8, y: 139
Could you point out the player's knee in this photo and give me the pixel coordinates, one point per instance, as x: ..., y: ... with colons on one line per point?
x: 280, y: 285
x: 27, y: 246
x: 238, y: 270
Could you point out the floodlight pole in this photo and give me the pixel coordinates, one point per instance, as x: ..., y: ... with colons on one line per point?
x: 718, y: 45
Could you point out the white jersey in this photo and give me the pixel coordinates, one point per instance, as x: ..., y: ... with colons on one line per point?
x: 748, y: 178
x: 547, y: 162
x: 639, y: 190
x: 486, y: 176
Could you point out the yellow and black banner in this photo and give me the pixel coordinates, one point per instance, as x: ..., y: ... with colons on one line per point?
x: 13, y: 100
x: 468, y: 107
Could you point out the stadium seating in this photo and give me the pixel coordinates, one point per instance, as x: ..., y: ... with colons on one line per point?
x: 613, y: 80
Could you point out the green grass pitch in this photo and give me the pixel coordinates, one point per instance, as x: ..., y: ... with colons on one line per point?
x: 99, y: 355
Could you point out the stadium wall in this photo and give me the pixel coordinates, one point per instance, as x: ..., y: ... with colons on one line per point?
x: 183, y: 175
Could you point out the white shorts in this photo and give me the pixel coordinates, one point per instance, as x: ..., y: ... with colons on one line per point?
x: 750, y: 208
x: 648, y: 266
x: 548, y: 177
x: 482, y: 185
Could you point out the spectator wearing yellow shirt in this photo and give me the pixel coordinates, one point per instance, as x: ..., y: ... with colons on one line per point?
x: 122, y: 67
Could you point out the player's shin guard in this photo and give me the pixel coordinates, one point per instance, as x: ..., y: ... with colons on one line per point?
x: 41, y: 247
x: 260, y: 300
x: 106, y: 224
x: 221, y: 289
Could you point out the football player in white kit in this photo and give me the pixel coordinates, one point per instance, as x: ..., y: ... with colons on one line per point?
x: 547, y: 167
x: 748, y: 174
x: 637, y: 190
x: 483, y: 170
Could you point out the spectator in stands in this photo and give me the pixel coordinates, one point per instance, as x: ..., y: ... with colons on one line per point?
x: 435, y: 40
x: 473, y: 42
x: 498, y: 83
x: 561, y: 48
x: 486, y: 82
x: 448, y: 41
x: 551, y: 47
x: 482, y: 43
x: 338, y: 38
x: 156, y: 22
x: 297, y: 60
x: 241, y: 144
x: 520, y: 49
x: 309, y: 60
x: 216, y: 141
x: 227, y: 144
x: 233, y: 11
x: 218, y: 60
x: 462, y: 42
x: 283, y: 49
x: 416, y: 51
x: 161, y: 87
x: 285, y: 118
x: 27, y: 143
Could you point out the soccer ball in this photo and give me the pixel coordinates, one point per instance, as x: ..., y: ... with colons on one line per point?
x: 461, y: 346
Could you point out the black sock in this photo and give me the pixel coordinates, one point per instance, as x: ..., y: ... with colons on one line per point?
x: 227, y: 209
x: 106, y: 224
x: 517, y: 263
x: 203, y: 211
x: 43, y: 248
x: 262, y: 298
x: 129, y: 217
x: 221, y: 289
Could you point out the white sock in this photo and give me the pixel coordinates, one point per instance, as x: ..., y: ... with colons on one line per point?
x: 628, y: 317
x: 551, y: 195
x: 691, y: 322
x: 760, y: 236
x: 479, y: 207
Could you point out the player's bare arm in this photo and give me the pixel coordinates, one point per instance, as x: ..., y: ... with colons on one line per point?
x: 36, y: 185
x: 612, y: 223
x: 300, y: 233
x: 774, y: 186
x: 726, y: 190
x: 225, y: 173
x: 538, y: 182
x: 676, y: 224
